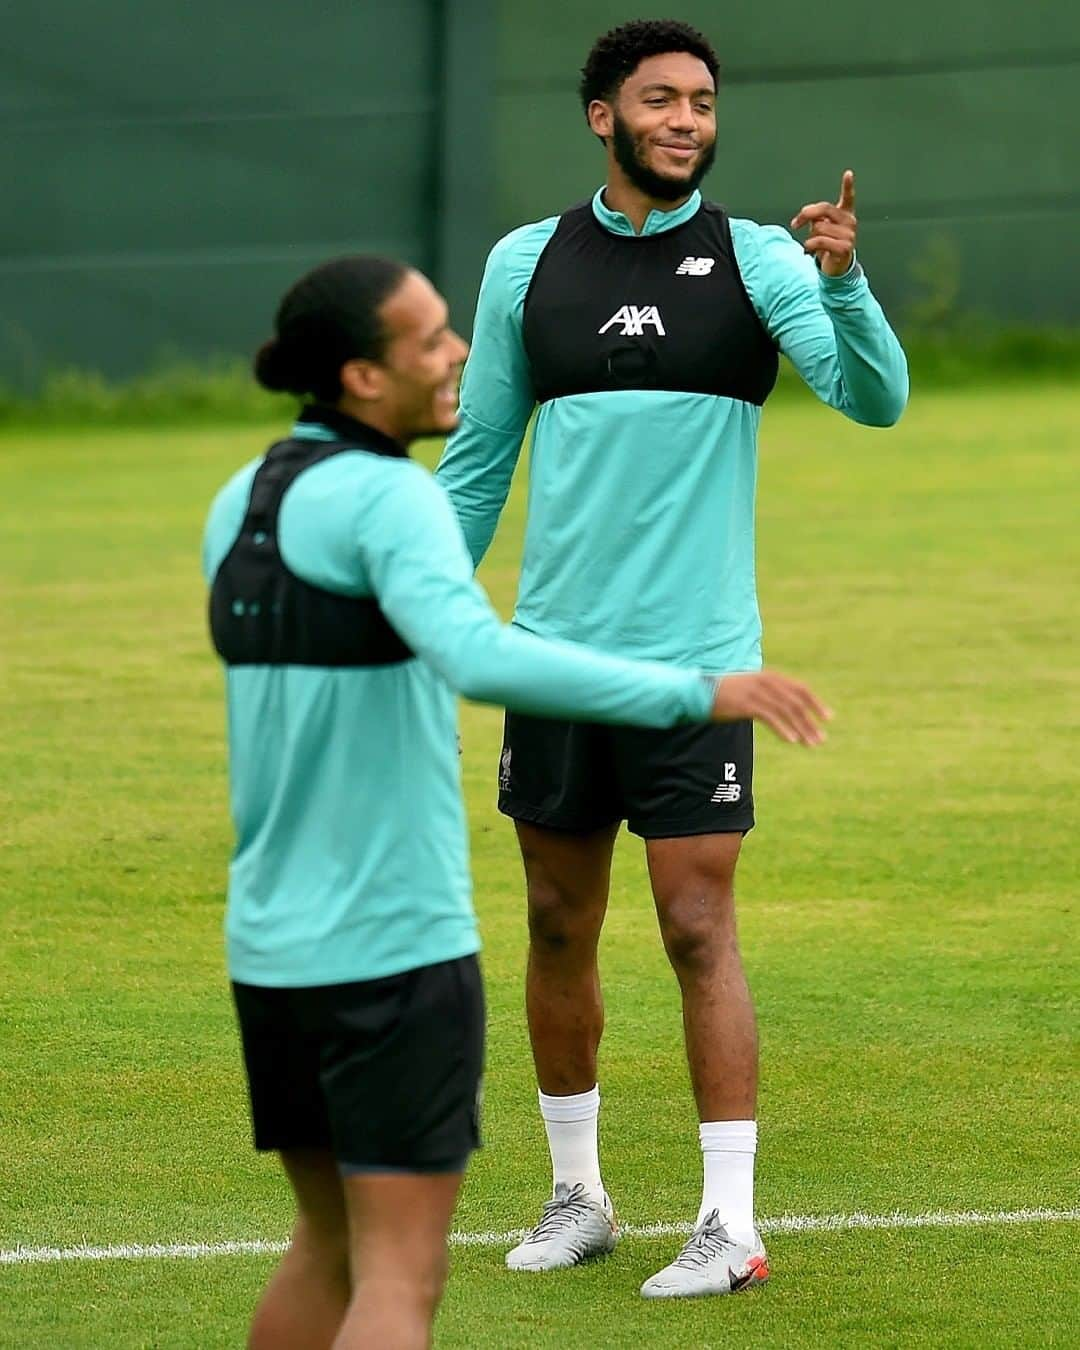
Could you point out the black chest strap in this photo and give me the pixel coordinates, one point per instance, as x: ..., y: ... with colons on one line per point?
x: 607, y: 312
x: 261, y: 613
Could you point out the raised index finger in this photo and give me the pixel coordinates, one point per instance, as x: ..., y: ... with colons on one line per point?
x: 847, y: 191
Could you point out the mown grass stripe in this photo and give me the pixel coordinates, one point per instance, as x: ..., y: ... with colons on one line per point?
x: 785, y: 1223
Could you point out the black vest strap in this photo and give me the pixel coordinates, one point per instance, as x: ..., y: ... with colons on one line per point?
x: 263, y: 614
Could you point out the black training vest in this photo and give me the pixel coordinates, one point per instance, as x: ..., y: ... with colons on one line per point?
x: 261, y: 614
x: 611, y: 312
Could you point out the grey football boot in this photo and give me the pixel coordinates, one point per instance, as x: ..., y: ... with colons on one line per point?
x: 572, y: 1228
x: 710, y: 1263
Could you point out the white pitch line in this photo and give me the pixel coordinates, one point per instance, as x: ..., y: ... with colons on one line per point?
x: 819, y: 1223
x: 134, y: 1251
x: 786, y: 1223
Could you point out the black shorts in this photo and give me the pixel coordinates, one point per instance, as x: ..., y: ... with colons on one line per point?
x: 581, y: 776
x: 386, y: 1073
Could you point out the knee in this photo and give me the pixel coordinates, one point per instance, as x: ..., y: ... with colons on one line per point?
x: 557, y: 924
x: 434, y: 1272
x: 323, y: 1254
x: 436, y: 1282
x: 551, y: 926
x: 419, y: 1288
x: 423, y: 1288
x: 695, y: 935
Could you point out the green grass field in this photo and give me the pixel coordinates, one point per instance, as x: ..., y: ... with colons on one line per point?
x: 908, y: 912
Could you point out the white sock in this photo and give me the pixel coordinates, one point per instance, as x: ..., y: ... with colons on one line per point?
x: 728, y: 1148
x: 572, y: 1126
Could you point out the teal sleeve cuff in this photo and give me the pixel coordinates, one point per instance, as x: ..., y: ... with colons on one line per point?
x: 843, y: 284
x: 706, y: 695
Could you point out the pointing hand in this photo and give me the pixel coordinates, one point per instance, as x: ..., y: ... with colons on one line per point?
x: 832, y: 229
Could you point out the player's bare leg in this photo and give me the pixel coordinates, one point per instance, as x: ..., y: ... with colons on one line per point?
x: 693, y: 886
x: 398, y: 1226
x: 567, y: 878
x: 304, y: 1304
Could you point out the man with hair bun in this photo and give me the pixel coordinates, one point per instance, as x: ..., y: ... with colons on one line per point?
x: 646, y: 324
x: 343, y: 604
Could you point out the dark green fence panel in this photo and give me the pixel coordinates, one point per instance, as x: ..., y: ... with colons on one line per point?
x: 168, y: 169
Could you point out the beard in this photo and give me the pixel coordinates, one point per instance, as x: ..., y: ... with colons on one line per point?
x: 647, y: 180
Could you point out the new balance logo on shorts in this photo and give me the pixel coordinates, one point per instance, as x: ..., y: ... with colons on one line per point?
x: 633, y: 319
x: 728, y: 790
x: 695, y: 267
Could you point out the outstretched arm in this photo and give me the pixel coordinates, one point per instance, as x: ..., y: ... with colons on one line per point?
x: 824, y: 317
x: 421, y: 574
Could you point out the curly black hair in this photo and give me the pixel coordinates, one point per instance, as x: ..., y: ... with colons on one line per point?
x: 617, y: 54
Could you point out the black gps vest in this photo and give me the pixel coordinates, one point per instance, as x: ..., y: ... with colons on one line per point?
x: 263, y: 614
x: 608, y: 312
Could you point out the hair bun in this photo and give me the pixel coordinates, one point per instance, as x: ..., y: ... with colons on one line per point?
x: 330, y: 316
x: 272, y: 367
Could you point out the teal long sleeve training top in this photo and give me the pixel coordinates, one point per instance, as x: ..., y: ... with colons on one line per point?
x: 351, y: 857
x: 640, y: 530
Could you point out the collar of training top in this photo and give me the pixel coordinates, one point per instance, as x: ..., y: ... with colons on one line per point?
x: 351, y: 429
x: 656, y: 222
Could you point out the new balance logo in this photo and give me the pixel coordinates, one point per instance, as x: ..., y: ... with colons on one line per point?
x: 728, y: 790
x: 634, y: 319
x: 695, y: 267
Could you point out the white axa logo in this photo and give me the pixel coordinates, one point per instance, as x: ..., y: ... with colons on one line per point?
x: 695, y: 267
x: 634, y: 318
x: 728, y: 790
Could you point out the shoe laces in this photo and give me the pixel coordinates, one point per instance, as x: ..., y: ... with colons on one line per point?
x: 706, y: 1242
x: 563, y: 1209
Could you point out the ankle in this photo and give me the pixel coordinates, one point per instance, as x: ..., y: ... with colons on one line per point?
x: 572, y: 1125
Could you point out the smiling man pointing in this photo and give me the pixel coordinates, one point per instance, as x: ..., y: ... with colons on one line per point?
x: 646, y: 323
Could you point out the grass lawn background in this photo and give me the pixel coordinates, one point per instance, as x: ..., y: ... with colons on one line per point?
x: 907, y: 903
